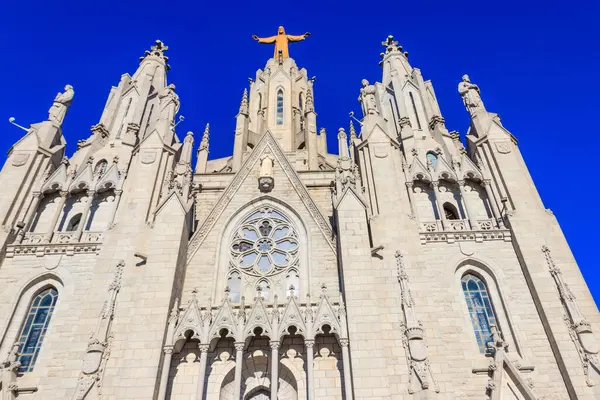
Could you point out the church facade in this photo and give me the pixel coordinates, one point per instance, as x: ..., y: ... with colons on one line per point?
x: 405, y: 266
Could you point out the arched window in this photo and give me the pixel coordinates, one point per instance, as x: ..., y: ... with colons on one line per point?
x: 74, y: 223
x: 279, y: 119
x: 234, y: 284
x: 450, y: 212
x: 35, y: 327
x: 259, y: 102
x: 292, y: 283
x: 100, y: 167
x: 300, y: 102
x: 480, y: 309
x: 414, y: 107
x: 266, y: 246
x: 432, y: 159
x: 263, y: 288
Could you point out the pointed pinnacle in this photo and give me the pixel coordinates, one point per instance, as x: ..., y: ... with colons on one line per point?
x: 352, y: 131
x: 205, y: 138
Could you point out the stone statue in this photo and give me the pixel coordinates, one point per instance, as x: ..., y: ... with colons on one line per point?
x: 367, y: 98
x: 471, y: 95
x: 62, y: 101
x: 281, y: 41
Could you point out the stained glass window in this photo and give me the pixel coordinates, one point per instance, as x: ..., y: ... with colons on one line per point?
x: 280, y: 107
x: 34, y: 330
x: 480, y: 309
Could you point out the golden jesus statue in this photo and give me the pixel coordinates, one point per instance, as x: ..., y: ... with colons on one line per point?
x: 281, y: 41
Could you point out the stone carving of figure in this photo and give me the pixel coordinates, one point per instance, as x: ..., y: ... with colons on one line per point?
x: 471, y: 95
x: 169, y: 103
x: 367, y: 98
x: 62, y: 101
x: 281, y: 41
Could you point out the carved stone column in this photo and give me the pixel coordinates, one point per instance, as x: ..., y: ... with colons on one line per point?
x: 274, y: 368
x: 411, y: 194
x: 346, y: 365
x: 84, y: 215
x: 111, y: 220
x: 492, y: 199
x: 202, y: 375
x: 310, y: 344
x: 434, y: 186
x: 164, y: 376
x: 59, y: 209
x: 468, y: 210
x: 239, y: 361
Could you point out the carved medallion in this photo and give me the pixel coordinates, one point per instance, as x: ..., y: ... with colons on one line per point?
x: 380, y: 150
x: 148, y: 157
x: 503, y: 147
x: 20, y: 159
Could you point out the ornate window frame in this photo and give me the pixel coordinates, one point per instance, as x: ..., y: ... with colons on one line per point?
x: 503, y: 318
x: 225, y: 256
x: 24, y: 297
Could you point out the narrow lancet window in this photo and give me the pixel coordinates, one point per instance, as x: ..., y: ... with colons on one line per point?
x: 280, y: 107
x: 414, y: 106
x: 74, y: 223
x: 480, y: 309
x: 300, y: 102
x: 35, y: 327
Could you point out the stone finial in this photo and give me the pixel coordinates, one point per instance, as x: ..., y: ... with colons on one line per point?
x: 391, y: 46
x: 158, y: 51
x: 310, y: 102
x: 244, y: 102
x: 205, y: 138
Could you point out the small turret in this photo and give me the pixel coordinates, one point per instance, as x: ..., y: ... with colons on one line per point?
x: 241, y: 133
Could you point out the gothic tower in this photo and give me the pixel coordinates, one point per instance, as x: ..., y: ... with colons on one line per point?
x: 405, y: 266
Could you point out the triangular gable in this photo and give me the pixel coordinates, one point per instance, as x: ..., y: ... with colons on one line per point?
x: 292, y: 316
x: 443, y: 169
x: 83, y: 180
x: 109, y: 180
x: 350, y: 191
x: 178, y: 199
x: 58, y: 179
x: 468, y: 169
x: 266, y: 142
x: 191, y: 320
x: 326, y: 315
x: 418, y: 171
x: 30, y: 141
x: 225, y: 319
x: 258, y: 318
x: 371, y: 137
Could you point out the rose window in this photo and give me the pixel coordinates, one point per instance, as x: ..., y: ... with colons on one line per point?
x: 265, y: 244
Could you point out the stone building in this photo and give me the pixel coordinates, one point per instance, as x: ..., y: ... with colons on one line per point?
x: 406, y: 266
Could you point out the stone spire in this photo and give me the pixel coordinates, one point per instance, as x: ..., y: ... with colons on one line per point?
x: 310, y: 101
x: 202, y: 157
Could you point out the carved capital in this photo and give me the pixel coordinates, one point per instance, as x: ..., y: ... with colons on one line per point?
x: 274, y: 344
x: 404, y: 121
x: 239, y: 346
x: 486, y: 182
x: 168, y: 349
x: 309, y: 344
x: 435, y: 121
x: 63, y: 194
x: 203, y: 348
x: 461, y: 182
x: 344, y: 342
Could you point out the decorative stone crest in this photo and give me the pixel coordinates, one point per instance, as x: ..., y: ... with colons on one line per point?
x: 580, y: 329
x: 413, y: 339
x: 19, y: 159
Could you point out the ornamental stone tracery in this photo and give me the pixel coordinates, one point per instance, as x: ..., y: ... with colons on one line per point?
x: 265, y: 247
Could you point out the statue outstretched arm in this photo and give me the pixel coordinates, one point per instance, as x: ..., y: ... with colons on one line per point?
x: 268, y: 40
x: 297, y: 38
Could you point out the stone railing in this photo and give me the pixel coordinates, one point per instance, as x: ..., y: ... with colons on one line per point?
x: 33, y: 243
x: 455, y: 230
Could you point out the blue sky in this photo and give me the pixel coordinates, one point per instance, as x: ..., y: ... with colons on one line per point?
x: 537, y: 64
